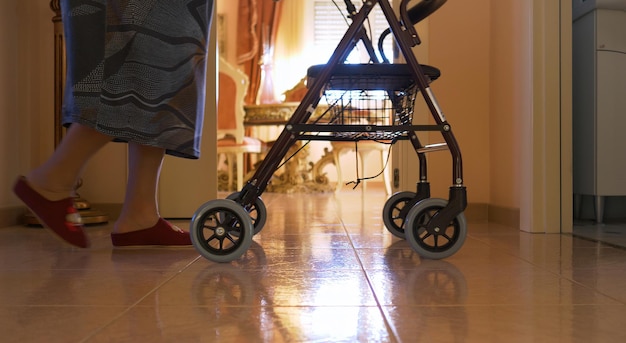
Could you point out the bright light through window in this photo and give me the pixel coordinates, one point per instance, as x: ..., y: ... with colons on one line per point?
x: 331, y: 22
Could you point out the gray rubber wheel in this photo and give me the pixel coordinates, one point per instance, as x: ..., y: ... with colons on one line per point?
x: 221, y: 230
x: 394, y: 221
x: 444, y: 243
x: 257, y: 211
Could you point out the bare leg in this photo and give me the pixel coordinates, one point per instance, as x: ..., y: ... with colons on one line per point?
x: 140, y: 210
x: 56, y: 178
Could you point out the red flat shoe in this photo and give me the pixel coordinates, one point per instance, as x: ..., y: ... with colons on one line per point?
x: 161, y: 234
x: 59, y: 216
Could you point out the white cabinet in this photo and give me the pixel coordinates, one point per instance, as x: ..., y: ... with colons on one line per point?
x: 599, y: 91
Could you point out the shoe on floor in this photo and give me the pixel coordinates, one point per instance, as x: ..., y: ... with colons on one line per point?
x: 60, y: 216
x: 161, y: 234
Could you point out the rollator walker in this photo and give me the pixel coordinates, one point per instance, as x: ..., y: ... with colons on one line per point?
x: 373, y: 101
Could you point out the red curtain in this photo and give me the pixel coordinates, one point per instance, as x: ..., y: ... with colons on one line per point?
x: 257, y: 26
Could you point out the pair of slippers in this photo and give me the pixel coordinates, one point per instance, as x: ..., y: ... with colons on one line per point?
x: 64, y: 220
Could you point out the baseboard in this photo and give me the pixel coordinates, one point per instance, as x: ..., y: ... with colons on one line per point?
x: 11, y: 216
x: 481, y: 212
x: 476, y: 212
x: 504, y: 216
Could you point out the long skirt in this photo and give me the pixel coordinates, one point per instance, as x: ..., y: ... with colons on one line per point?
x: 136, y: 70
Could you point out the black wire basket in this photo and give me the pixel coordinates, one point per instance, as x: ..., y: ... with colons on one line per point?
x: 367, y: 102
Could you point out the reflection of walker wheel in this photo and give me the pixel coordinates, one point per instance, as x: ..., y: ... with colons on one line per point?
x: 440, y: 242
x: 393, y: 214
x: 221, y: 230
x: 222, y: 286
x: 232, y: 292
x: 435, y: 282
x: 257, y: 211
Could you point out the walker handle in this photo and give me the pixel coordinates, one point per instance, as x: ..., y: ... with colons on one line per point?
x: 423, y: 9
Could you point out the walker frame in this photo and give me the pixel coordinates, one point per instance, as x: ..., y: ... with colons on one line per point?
x: 222, y: 229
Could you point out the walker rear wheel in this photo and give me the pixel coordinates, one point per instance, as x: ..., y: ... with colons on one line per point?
x: 437, y: 243
x: 221, y: 230
x: 257, y: 211
x: 394, y: 212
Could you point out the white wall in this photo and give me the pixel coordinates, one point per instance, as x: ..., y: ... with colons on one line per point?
x: 26, y: 80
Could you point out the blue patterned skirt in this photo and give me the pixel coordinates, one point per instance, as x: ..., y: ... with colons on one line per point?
x: 136, y: 70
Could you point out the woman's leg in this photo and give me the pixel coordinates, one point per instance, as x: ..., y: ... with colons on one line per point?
x: 56, y: 178
x: 140, y: 209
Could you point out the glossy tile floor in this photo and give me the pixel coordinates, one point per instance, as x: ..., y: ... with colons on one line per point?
x: 612, y: 232
x: 324, y: 269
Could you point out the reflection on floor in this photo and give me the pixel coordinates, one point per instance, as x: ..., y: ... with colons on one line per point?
x: 610, y: 232
x: 324, y: 269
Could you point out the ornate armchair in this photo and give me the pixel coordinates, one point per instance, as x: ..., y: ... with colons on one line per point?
x: 232, y: 142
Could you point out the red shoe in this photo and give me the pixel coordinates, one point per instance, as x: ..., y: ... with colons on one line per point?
x: 162, y: 233
x: 59, y: 216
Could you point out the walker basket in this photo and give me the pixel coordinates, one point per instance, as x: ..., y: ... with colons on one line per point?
x: 366, y: 102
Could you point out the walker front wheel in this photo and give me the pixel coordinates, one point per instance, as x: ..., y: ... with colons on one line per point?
x: 221, y: 230
x: 437, y: 243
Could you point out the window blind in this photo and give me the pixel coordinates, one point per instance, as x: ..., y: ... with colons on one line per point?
x: 330, y: 25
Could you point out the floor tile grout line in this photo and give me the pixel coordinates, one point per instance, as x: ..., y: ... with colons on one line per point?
x: 559, y: 275
x: 134, y: 305
x: 391, y: 328
x: 597, y: 240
